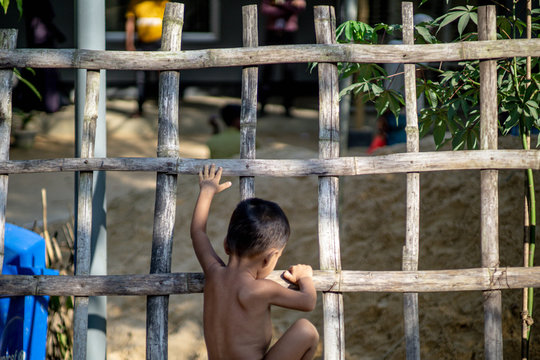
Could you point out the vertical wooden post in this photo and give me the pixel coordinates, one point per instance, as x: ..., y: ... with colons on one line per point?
x: 248, y: 114
x: 84, y: 213
x: 329, y: 140
x: 8, y: 40
x: 410, y: 250
x: 166, y: 185
x: 489, y: 186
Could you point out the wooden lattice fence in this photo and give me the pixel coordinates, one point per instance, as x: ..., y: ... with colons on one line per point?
x: 331, y: 280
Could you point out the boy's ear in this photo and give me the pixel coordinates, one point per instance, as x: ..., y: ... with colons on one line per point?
x: 226, y: 247
x: 268, y: 257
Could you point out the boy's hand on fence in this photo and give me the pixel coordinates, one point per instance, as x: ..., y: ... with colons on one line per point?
x: 209, y: 179
x: 297, y: 272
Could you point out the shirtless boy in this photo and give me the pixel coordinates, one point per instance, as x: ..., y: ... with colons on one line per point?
x: 237, y: 297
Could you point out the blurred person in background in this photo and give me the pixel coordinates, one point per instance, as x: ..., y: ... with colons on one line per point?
x: 281, y: 27
x: 145, y: 19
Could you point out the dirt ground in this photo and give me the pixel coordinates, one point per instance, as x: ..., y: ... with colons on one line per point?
x: 372, y: 220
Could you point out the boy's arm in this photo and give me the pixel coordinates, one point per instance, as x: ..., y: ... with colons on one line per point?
x: 303, y: 299
x: 209, y: 180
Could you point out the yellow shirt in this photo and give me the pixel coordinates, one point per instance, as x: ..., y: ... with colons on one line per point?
x: 149, y: 18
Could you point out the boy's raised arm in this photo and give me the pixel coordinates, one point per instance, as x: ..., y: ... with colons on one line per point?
x: 209, y: 184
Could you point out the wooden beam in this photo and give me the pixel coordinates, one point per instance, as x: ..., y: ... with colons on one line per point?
x: 478, y: 279
x: 262, y: 55
x: 342, y: 166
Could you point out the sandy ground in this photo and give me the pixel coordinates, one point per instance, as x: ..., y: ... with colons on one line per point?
x: 372, y: 234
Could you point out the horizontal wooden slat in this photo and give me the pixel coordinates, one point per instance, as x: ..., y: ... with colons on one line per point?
x: 199, y: 59
x: 363, y: 165
x: 327, y: 281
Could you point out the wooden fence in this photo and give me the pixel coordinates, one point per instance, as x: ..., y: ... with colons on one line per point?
x: 331, y: 280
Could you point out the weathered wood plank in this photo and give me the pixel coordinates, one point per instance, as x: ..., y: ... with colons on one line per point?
x: 84, y: 212
x: 412, y: 233
x: 166, y: 185
x: 248, y: 114
x: 477, y: 279
x: 8, y: 39
x: 493, y: 339
x: 329, y: 143
x: 232, y: 57
x: 343, y: 166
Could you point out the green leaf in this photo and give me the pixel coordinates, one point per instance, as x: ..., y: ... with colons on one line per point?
x: 382, y: 103
x: 458, y: 142
x: 426, y: 35
x: 439, y: 133
x: 462, y: 23
x: 510, y: 122
x: 474, y: 17
x: 377, y: 90
x: 5, y: 4
x: 20, y: 8
x: 27, y: 83
x: 447, y: 19
x: 532, y: 109
x: 472, y: 140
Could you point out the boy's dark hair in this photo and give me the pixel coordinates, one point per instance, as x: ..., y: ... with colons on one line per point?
x: 257, y: 225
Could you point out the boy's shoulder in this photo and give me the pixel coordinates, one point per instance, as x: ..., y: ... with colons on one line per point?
x: 257, y: 291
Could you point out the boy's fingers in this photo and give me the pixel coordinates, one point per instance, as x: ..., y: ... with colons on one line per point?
x: 212, y: 170
x: 288, y: 276
x: 205, y: 171
x: 219, y: 171
x: 286, y: 273
x: 226, y: 185
x: 200, y: 176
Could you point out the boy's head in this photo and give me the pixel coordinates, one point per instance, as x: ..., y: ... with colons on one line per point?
x: 256, y: 226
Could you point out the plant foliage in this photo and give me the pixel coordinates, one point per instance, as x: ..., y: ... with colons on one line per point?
x: 451, y: 92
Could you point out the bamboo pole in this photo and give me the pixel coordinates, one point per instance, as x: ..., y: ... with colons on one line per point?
x: 166, y: 185
x: 410, y: 250
x: 489, y: 186
x: 8, y: 39
x: 478, y: 279
x: 263, y: 55
x: 84, y: 214
x: 526, y: 318
x: 329, y: 143
x: 342, y: 166
x: 248, y: 114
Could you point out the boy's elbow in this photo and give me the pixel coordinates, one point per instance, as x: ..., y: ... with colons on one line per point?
x: 309, y: 303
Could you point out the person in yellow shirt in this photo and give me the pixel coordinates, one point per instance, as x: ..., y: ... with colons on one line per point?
x: 144, y: 17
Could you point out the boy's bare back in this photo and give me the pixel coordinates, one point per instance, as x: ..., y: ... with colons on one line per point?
x: 234, y: 329
x: 237, y: 297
